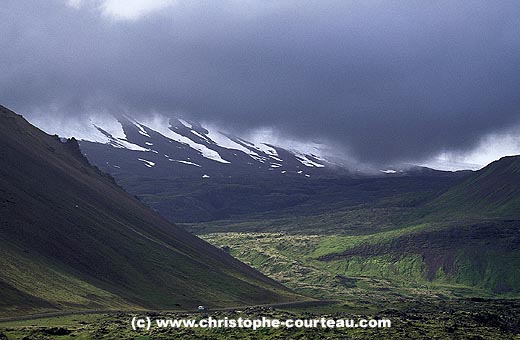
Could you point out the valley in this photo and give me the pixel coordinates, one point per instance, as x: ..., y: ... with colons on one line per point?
x: 417, y: 241
x: 437, y: 252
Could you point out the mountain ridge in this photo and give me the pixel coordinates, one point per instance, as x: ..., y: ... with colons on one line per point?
x: 176, y: 148
x: 162, y: 146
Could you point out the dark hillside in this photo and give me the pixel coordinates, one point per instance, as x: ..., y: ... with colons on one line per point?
x: 70, y: 238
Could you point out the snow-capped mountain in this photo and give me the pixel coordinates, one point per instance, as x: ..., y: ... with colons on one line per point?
x: 165, y: 147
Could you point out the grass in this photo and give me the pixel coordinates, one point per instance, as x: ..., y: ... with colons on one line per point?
x: 293, y: 261
x: 424, y: 317
x: 338, y: 243
x: 491, y: 192
x: 358, y: 220
x: 316, y: 264
x: 49, y: 286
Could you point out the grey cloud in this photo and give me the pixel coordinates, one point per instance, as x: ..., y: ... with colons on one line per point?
x: 387, y: 81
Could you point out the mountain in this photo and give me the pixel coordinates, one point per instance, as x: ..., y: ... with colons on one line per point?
x: 468, y: 236
x: 492, y: 192
x: 174, y: 148
x: 191, y: 173
x: 163, y: 147
x: 71, y: 238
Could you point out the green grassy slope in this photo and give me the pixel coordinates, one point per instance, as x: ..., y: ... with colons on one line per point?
x: 70, y: 238
x: 484, y: 256
x: 492, y: 192
x: 421, y: 259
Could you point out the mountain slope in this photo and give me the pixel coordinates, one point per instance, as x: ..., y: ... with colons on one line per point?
x: 173, y: 148
x: 469, y: 236
x: 70, y: 238
x: 493, y: 191
x: 162, y: 147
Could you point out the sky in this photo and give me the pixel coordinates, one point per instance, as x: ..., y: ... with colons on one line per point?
x: 381, y: 82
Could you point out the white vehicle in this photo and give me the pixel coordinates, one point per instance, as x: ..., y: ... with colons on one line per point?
x: 201, y: 308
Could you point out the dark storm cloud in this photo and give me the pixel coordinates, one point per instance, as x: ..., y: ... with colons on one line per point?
x: 386, y: 80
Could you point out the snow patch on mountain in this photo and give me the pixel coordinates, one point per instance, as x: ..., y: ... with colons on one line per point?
x: 163, y: 126
x: 185, y: 123
x: 140, y: 128
x: 100, y: 129
x: 201, y: 136
x: 307, y: 161
x: 223, y: 140
x: 184, y: 162
x: 265, y: 148
x: 111, y: 125
x: 110, y: 131
x: 147, y: 163
x: 123, y: 144
x: 309, y: 154
x: 104, y: 129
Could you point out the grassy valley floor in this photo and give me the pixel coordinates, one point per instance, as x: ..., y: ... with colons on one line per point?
x: 360, y: 287
x: 423, y: 317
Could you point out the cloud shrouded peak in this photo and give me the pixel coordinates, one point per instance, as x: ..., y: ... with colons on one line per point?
x: 382, y: 81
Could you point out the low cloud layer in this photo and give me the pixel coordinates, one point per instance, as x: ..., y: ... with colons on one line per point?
x: 383, y: 81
